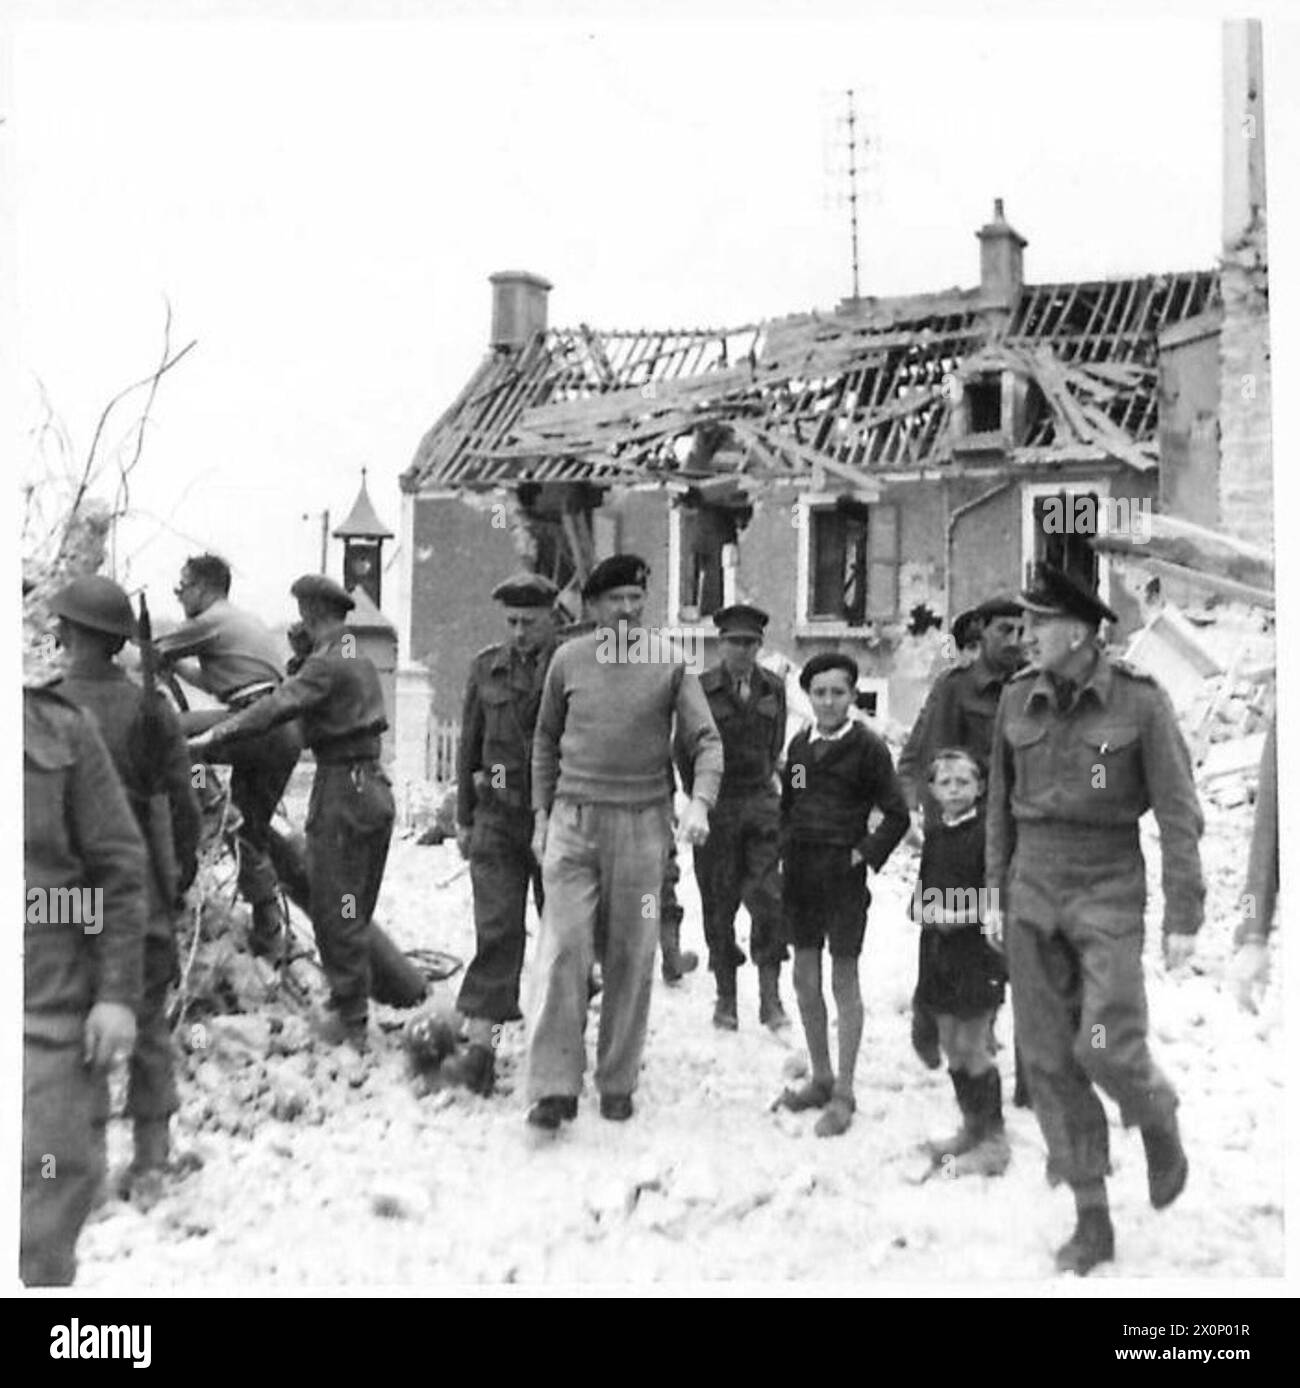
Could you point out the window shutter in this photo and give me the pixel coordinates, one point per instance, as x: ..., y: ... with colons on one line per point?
x: 882, y: 561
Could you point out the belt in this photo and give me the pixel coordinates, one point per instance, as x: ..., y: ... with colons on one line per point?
x: 247, y: 694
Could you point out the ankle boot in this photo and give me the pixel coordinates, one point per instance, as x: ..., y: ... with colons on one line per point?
x: 1166, y: 1162
x: 770, y: 1012
x: 990, y: 1155
x: 725, y: 1017
x: 676, y: 961
x: 1092, y: 1242
x: 967, y: 1135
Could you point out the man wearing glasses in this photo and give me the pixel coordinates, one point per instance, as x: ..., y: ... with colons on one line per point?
x: 232, y: 655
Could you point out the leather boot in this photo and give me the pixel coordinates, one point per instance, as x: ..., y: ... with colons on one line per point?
x: 770, y: 1012
x: 1166, y: 1162
x: 969, y: 1133
x: 677, y: 962
x: 991, y: 1155
x: 1092, y: 1242
x: 725, y: 1017
x: 266, y: 938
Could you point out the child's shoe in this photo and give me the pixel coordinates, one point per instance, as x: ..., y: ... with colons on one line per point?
x: 836, y: 1118
x: 814, y: 1094
x: 989, y: 1157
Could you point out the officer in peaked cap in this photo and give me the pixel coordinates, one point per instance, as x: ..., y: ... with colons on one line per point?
x: 338, y: 698
x: 1083, y: 746
x: 618, y: 571
x: 494, y: 820
x: 740, y: 861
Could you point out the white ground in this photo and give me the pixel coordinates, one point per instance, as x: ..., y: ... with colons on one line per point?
x: 705, y: 1184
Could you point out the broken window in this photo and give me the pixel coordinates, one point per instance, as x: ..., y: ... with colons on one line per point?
x: 706, y: 532
x: 854, y: 561
x: 1064, y: 525
x: 984, y: 404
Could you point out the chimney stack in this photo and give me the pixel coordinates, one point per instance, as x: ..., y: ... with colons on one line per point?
x: 518, y: 307
x: 1002, y: 270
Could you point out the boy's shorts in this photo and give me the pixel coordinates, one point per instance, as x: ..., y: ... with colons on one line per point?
x: 825, y: 898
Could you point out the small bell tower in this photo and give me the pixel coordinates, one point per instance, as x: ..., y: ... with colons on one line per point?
x: 363, y: 535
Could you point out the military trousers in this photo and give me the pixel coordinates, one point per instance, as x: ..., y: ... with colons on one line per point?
x: 151, y: 1075
x: 349, y: 826
x: 740, y: 863
x: 501, y: 868
x: 260, y: 768
x: 1074, y: 951
x: 65, y: 1110
x: 603, y: 872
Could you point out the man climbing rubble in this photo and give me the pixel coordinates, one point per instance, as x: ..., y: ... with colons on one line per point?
x: 338, y: 697
x: 231, y: 654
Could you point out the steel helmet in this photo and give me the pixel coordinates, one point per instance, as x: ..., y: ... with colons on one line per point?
x: 97, y: 603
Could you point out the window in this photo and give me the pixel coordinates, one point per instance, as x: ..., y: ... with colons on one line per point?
x: 1068, y: 545
x: 984, y: 404
x: 704, y: 533
x: 853, y: 562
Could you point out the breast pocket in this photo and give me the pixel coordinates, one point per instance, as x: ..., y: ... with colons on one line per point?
x: 1110, y: 763
x: 1030, y: 756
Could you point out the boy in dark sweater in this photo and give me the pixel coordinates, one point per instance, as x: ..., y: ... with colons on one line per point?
x: 836, y: 773
x: 962, y: 978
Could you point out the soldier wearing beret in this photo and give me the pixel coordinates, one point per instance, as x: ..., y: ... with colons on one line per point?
x: 144, y: 739
x: 741, y: 860
x: 602, y: 790
x: 81, y: 982
x: 1083, y: 746
x: 494, y: 818
x: 959, y: 712
x: 337, y: 696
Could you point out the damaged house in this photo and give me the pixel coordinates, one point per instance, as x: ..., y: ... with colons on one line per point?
x: 862, y: 474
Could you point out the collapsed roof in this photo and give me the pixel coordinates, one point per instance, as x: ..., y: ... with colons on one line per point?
x: 858, y: 393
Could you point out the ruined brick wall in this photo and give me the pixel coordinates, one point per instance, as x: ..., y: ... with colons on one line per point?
x: 1245, y: 412
x: 1189, y: 423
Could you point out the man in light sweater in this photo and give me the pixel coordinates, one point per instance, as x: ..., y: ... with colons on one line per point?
x: 602, y: 789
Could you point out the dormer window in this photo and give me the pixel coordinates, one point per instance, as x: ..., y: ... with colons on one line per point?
x: 984, y: 403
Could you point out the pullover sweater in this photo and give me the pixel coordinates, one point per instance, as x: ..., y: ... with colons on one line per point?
x: 830, y: 787
x: 952, y: 863
x: 605, y: 729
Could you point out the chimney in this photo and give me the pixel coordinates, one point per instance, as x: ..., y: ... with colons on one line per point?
x: 518, y: 307
x: 1001, y: 261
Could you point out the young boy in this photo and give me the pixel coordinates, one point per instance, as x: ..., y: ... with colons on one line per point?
x: 836, y: 773
x: 962, y: 978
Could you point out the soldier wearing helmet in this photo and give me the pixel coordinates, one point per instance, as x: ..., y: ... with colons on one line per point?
x: 147, y: 746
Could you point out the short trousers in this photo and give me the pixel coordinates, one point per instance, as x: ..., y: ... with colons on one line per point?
x: 824, y: 898
x: 959, y: 973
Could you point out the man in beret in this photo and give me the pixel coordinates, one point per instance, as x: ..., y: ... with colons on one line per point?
x: 959, y: 712
x: 741, y: 859
x: 1083, y: 746
x: 494, y: 818
x: 602, y: 790
x: 337, y: 696
x: 232, y: 654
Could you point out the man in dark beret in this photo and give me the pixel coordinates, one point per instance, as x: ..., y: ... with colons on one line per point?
x: 494, y: 818
x: 1083, y: 746
x: 602, y: 790
x: 338, y: 697
x: 741, y: 860
x: 959, y: 712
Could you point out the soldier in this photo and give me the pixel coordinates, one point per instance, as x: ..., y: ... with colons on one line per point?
x: 602, y: 796
x: 81, y: 984
x: 741, y: 859
x: 1083, y: 746
x: 144, y: 738
x: 959, y: 712
x: 338, y: 697
x: 231, y: 654
x: 494, y: 818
